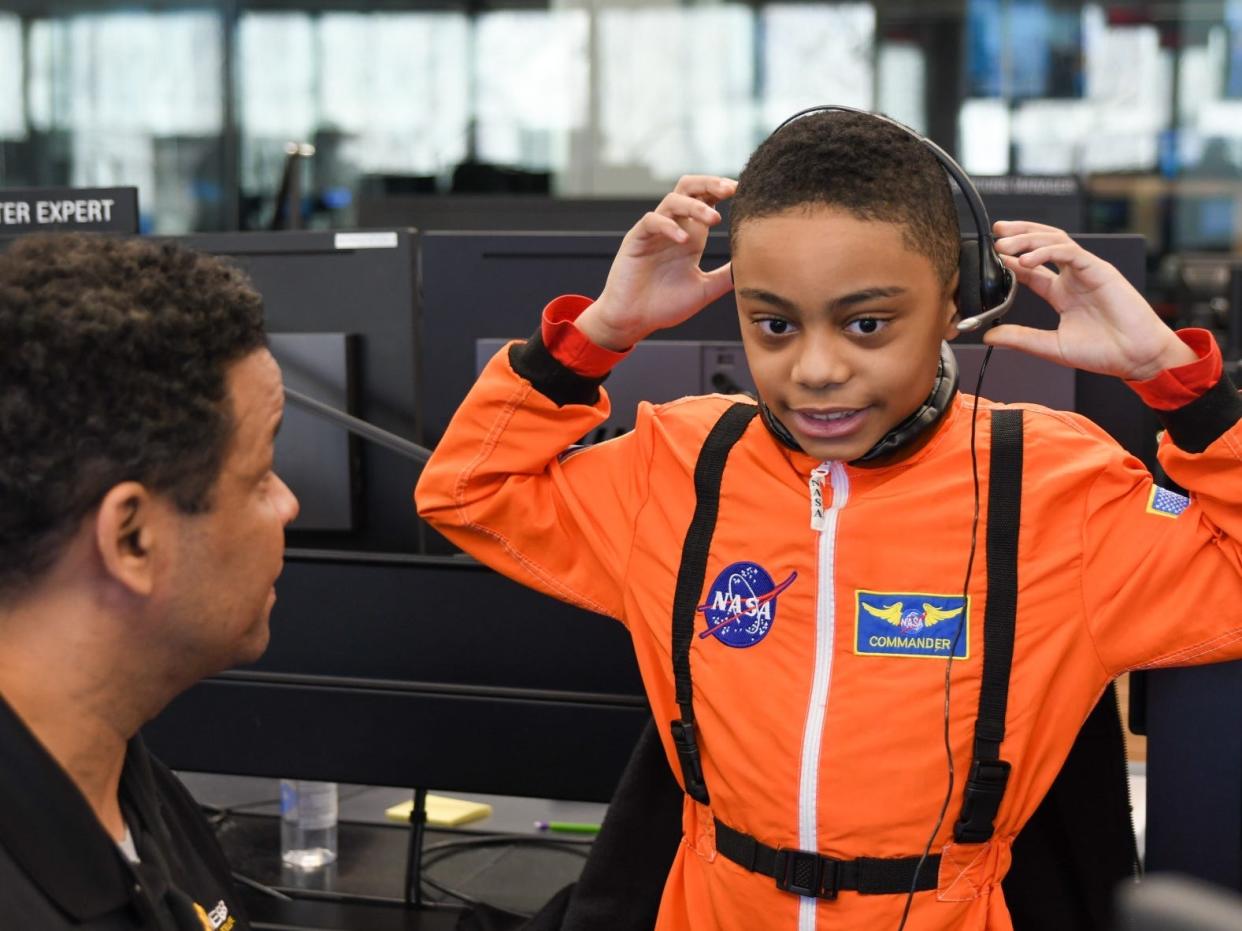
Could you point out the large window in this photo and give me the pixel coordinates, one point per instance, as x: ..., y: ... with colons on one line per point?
x: 12, y: 109
x: 195, y: 104
x: 122, y: 98
x: 670, y: 100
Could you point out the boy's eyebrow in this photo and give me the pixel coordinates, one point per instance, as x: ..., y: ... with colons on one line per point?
x: 866, y: 294
x: 767, y: 297
x: 839, y: 303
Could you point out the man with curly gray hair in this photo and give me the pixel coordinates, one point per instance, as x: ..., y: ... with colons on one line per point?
x: 141, y: 533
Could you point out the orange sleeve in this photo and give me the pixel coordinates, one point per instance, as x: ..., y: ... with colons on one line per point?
x: 1179, y: 386
x: 1162, y: 574
x: 505, y: 485
x: 569, y: 345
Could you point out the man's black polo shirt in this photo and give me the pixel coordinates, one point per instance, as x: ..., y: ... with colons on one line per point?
x: 59, y: 868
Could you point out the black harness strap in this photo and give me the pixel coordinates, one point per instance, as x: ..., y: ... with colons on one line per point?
x: 708, y: 472
x: 989, y: 774
x: 810, y: 873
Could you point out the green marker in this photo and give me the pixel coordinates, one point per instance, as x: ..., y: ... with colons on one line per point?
x: 567, y: 827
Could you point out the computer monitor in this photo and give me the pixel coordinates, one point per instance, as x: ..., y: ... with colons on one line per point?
x: 479, y: 285
x: 1056, y: 200
x: 341, y: 312
x: 429, y: 672
x: 497, y: 212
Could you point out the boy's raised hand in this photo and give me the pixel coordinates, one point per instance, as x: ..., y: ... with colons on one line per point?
x: 1106, y: 326
x: 655, y: 281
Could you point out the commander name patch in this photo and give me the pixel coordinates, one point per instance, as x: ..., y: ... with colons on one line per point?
x: 911, y: 624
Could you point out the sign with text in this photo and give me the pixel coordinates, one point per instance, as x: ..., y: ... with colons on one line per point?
x: 85, y: 210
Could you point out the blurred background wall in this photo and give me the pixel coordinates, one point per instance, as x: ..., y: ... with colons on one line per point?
x: 194, y: 102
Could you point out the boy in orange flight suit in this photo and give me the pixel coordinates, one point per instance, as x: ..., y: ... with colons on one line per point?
x: 834, y: 574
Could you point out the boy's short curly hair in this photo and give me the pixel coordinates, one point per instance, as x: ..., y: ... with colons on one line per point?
x: 113, y: 357
x: 860, y: 164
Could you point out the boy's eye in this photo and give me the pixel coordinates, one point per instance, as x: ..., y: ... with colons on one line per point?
x: 866, y: 325
x: 774, y: 326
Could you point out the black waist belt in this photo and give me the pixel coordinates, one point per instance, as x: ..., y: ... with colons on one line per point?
x: 808, y: 873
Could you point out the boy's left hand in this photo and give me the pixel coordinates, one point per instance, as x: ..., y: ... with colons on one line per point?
x: 1106, y: 326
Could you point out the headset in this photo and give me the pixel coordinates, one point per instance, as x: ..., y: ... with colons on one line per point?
x: 985, y: 293
x: 986, y: 288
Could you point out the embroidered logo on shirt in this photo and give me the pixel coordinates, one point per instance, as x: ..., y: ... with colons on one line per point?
x: 911, y: 624
x: 217, y: 920
x: 1166, y: 503
x: 741, y: 604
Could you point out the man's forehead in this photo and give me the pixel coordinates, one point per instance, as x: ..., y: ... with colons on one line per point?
x: 255, y: 388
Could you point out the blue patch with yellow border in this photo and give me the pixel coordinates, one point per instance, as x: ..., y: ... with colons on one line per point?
x: 1166, y: 503
x: 912, y: 624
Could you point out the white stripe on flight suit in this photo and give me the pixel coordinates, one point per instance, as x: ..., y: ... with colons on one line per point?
x: 825, y: 634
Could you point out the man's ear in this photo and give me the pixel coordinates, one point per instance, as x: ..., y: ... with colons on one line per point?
x: 951, y: 309
x: 126, y: 529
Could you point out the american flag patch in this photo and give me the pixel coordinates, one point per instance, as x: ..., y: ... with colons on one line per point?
x: 1166, y: 503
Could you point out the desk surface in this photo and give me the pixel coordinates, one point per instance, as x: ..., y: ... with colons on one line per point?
x: 362, y: 891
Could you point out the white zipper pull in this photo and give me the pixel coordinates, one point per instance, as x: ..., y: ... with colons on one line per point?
x: 818, y: 510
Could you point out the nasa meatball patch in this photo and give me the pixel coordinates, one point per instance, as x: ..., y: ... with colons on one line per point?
x: 911, y: 624
x: 741, y: 604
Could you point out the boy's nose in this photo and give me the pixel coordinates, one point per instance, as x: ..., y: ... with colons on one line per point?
x: 820, y: 364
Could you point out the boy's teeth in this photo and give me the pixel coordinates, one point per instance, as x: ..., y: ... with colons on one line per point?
x: 835, y: 415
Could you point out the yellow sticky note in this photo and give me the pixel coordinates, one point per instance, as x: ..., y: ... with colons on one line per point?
x: 442, y: 811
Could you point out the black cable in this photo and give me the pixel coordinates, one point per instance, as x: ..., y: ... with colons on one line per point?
x: 439, y: 851
x: 435, y: 853
x: 472, y: 901
x: 353, y: 898
x: 355, y: 425
x: 260, y: 887
x: 948, y: 667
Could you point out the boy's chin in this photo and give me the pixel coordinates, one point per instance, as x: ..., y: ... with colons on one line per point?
x: 834, y: 450
x: 838, y: 449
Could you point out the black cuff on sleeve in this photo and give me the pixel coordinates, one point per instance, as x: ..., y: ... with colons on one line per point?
x: 556, y: 382
x: 1197, y: 425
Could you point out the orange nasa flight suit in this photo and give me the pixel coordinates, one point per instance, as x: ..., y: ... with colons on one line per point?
x: 820, y: 716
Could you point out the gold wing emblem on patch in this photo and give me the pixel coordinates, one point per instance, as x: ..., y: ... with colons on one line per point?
x: 892, y: 613
x: 934, y: 615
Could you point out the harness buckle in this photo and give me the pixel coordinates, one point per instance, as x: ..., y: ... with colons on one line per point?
x: 981, y: 800
x: 686, y: 742
x: 806, y: 873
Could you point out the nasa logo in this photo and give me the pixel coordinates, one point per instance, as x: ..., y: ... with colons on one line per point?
x: 741, y: 605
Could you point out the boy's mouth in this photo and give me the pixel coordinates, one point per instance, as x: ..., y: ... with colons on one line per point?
x: 829, y: 424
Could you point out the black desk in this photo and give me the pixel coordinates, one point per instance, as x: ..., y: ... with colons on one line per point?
x: 362, y: 891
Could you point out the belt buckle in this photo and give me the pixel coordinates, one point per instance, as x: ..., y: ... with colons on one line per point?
x: 806, y: 873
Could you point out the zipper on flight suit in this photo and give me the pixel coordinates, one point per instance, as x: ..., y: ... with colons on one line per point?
x: 824, y: 521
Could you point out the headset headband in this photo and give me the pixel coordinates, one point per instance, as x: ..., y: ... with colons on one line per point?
x: 997, y: 287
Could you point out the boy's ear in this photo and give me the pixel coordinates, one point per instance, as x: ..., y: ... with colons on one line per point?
x: 952, y: 306
x: 126, y: 528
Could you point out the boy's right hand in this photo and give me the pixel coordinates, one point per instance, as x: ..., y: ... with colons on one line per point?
x: 655, y: 281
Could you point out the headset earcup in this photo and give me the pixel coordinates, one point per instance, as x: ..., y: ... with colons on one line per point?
x: 969, y: 281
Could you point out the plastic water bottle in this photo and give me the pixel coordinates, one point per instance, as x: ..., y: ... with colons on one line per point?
x: 308, y: 813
